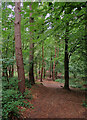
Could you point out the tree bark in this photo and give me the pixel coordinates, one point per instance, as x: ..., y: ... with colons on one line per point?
x: 31, y: 56
x: 39, y: 68
x: 12, y: 71
x: 7, y: 74
x: 42, y: 63
x: 18, y: 49
x: 9, y: 71
x: 51, y: 66
x: 54, y: 67
x: 57, y: 61
x: 66, y: 60
x: 52, y: 70
x: 44, y: 70
x: 36, y: 70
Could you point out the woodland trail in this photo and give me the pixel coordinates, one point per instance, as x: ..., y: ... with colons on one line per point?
x: 50, y: 100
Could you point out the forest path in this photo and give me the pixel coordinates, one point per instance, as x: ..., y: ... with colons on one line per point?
x: 51, y: 101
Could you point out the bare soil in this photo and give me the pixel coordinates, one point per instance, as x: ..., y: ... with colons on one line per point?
x: 50, y: 100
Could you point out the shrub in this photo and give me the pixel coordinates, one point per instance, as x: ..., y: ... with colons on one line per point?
x: 85, y: 104
x: 12, y: 99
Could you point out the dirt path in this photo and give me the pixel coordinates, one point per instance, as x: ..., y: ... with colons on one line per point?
x: 51, y: 101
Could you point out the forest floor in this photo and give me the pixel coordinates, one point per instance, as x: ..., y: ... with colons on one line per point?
x: 50, y: 100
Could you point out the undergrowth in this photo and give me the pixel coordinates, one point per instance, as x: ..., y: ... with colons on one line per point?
x: 85, y: 104
x: 73, y: 82
x: 12, y: 99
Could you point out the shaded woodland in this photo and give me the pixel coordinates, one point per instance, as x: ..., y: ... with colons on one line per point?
x: 42, y: 41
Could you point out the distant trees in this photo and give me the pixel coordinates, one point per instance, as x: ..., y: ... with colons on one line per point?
x: 46, y: 23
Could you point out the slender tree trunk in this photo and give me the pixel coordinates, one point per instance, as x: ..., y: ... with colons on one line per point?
x: 56, y: 74
x: 39, y: 69
x: 42, y: 62
x: 51, y: 66
x: 31, y: 56
x: 54, y: 67
x: 36, y: 71
x: 57, y: 61
x: 6, y: 73
x: 9, y: 71
x: 52, y: 70
x: 12, y: 71
x: 66, y: 60
x: 44, y: 70
x: 6, y: 67
x: 44, y: 73
x: 18, y: 49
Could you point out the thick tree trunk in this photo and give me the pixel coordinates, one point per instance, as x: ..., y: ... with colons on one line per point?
x: 31, y: 65
x: 18, y: 49
x: 66, y: 60
x: 31, y: 56
x: 42, y: 62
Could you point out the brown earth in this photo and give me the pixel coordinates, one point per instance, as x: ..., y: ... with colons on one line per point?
x: 50, y: 100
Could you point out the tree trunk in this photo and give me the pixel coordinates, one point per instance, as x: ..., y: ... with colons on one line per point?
x: 9, y: 71
x: 51, y: 66
x: 44, y: 72
x: 12, y: 71
x: 57, y: 62
x: 39, y: 68
x: 36, y: 71
x: 54, y: 67
x: 6, y: 74
x: 31, y: 56
x: 52, y: 70
x: 42, y: 62
x: 18, y: 49
x: 66, y: 60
